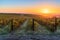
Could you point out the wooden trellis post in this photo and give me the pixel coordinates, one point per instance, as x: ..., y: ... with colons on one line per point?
x: 55, y: 27
x: 11, y: 25
x: 33, y: 24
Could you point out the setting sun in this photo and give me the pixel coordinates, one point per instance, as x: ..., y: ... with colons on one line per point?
x: 46, y: 11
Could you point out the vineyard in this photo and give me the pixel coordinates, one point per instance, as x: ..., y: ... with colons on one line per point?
x: 28, y: 24
x: 28, y: 27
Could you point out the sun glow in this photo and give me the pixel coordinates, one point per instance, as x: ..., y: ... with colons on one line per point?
x: 45, y: 11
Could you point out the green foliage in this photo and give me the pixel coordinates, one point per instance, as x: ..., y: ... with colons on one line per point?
x: 41, y: 24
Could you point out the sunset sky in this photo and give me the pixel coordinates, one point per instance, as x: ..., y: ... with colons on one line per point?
x: 29, y: 6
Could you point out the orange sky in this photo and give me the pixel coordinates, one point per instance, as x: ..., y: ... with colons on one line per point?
x: 30, y: 10
x: 30, y: 6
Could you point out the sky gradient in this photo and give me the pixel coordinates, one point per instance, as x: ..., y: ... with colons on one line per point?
x: 29, y: 6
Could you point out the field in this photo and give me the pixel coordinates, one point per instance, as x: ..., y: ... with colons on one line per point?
x: 29, y: 24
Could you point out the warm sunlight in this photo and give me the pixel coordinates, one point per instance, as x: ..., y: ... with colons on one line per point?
x: 46, y: 11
